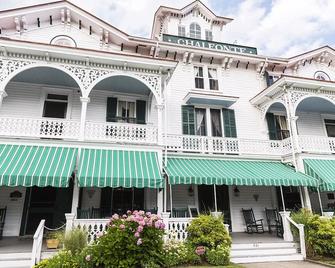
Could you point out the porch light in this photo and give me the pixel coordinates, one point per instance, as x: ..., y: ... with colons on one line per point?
x: 236, y: 191
x: 190, y: 191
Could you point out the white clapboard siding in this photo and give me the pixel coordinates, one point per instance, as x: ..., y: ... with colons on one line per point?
x: 311, y: 124
x: 14, y: 209
x: 180, y: 197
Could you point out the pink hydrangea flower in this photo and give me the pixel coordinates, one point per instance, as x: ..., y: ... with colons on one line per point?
x: 115, y: 217
x: 140, y: 229
x: 122, y: 226
x: 137, y: 234
x: 200, y: 250
x: 139, y: 241
x: 88, y: 257
x: 100, y: 234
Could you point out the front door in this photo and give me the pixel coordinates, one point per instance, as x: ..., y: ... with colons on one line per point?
x: 48, y: 203
x: 124, y: 199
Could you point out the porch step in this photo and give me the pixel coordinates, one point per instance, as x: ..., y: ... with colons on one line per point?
x: 15, y: 260
x: 48, y: 254
x: 265, y: 252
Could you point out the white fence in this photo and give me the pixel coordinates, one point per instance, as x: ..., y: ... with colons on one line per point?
x: 317, y: 144
x: 37, y: 244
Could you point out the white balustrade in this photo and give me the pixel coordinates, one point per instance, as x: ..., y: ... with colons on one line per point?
x: 203, y: 144
x: 176, y: 228
x: 121, y: 132
x: 39, y: 128
x: 37, y: 244
x: 316, y: 144
x: 92, y: 226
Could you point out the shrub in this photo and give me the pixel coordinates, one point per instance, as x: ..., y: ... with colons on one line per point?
x: 319, y: 233
x: 133, y: 240
x: 218, y: 256
x: 75, y: 241
x: 208, y: 231
x: 178, y: 253
x: 63, y: 259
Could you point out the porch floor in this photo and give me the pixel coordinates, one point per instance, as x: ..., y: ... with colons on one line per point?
x: 15, y: 244
x: 244, y: 238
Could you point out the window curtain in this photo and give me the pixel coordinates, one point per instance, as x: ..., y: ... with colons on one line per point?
x: 212, y: 73
x: 216, y: 124
x: 200, y: 117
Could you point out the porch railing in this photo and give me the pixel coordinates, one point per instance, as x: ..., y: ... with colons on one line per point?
x: 37, y: 244
x: 121, y: 132
x: 39, y: 128
x: 175, y: 228
x: 203, y: 144
x: 316, y: 144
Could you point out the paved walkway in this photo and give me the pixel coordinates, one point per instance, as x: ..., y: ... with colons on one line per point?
x: 291, y: 264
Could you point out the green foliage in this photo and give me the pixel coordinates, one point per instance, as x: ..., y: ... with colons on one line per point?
x: 208, y: 231
x: 55, y: 235
x: 75, y: 241
x: 319, y: 233
x: 218, y: 256
x: 135, y: 240
x: 178, y: 253
x: 64, y: 259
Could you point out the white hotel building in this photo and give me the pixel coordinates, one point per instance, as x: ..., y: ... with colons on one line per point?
x: 94, y: 121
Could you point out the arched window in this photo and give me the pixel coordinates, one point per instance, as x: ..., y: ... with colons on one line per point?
x: 63, y: 40
x: 321, y: 76
x: 195, y: 30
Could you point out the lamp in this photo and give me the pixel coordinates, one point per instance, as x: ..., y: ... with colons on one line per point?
x: 236, y: 191
x: 190, y: 191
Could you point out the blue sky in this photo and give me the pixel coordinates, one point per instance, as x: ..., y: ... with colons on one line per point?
x: 275, y: 27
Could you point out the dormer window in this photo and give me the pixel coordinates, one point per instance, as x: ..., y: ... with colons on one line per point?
x: 181, y: 30
x: 319, y: 75
x: 195, y: 30
x: 209, y: 35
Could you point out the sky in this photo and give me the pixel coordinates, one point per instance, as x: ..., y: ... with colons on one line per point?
x: 276, y: 27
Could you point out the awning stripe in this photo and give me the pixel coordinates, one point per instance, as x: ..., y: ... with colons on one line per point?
x: 234, y: 172
x: 119, y: 168
x: 30, y: 165
x: 323, y: 170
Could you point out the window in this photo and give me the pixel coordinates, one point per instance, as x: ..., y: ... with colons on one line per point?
x: 181, y: 30
x: 63, y: 40
x: 200, y: 115
x: 271, y: 78
x: 319, y: 75
x: 195, y: 31
x: 199, y: 77
x: 209, y: 35
x: 330, y: 127
x: 126, y: 111
x: 216, y: 123
x: 55, y: 106
x: 281, y: 127
x: 213, y: 79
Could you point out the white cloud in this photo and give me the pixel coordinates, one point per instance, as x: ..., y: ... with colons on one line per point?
x: 284, y: 28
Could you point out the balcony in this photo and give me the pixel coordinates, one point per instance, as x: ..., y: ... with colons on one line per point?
x: 316, y: 144
x: 69, y: 130
x: 231, y: 146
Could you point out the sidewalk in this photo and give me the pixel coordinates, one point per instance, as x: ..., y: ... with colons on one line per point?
x: 291, y: 264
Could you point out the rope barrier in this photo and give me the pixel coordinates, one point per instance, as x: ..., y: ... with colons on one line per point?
x: 56, y: 229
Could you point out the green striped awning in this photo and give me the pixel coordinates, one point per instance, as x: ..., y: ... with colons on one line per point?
x: 119, y: 168
x: 27, y: 165
x: 323, y: 170
x: 234, y: 172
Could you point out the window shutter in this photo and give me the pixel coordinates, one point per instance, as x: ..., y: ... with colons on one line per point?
x: 229, y: 123
x: 140, y: 111
x: 270, y: 118
x: 188, y: 120
x: 111, y: 109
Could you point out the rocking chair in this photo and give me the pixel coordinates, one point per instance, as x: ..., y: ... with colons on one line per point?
x: 253, y: 225
x: 274, y: 220
x: 2, y: 220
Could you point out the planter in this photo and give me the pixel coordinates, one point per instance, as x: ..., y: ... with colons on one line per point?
x: 216, y: 214
x: 328, y: 213
x: 52, y: 243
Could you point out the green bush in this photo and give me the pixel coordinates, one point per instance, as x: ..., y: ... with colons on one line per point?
x: 178, y: 253
x: 319, y: 233
x: 208, y: 231
x: 134, y: 240
x: 63, y: 259
x: 218, y: 256
x: 75, y: 241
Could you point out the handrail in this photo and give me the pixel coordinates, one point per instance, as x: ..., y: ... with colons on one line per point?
x: 301, y: 229
x: 37, y: 244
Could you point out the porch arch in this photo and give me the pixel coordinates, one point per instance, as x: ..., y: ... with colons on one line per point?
x: 155, y: 92
x: 273, y: 104
x: 20, y: 70
x: 324, y: 99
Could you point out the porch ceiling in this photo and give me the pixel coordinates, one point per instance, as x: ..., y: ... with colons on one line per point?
x: 209, y: 98
x: 316, y: 105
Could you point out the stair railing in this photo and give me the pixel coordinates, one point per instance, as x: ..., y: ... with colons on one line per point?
x: 37, y: 244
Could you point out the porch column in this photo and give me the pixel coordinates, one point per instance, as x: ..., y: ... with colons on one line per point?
x: 160, y: 108
x: 160, y: 201
x: 300, y: 167
x: 3, y: 94
x: 84, y: 101
x: 288, y: 236
x: 307, y: 199
x: 75, y: 197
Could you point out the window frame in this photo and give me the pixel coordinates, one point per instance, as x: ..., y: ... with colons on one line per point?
x: 184, y: 29
x: 56, y: 91
x: 199, y: 78
x: 196, y: 122
x: 196, y: 32
x: 209, y: 33
x: 121, y: 119
x: 216, y: 80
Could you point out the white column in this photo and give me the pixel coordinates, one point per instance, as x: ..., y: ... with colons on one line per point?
x: 69, y: 221
x: 160, y: 201
x: 307, y: 199
x: 288, y: 236
x: 75, y: 197
x: 300, y: 167
x: 160, y: 108
x: 84, y: 101
x: 3, y: 94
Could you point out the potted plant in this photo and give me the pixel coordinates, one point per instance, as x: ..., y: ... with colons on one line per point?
x: 54, y: 239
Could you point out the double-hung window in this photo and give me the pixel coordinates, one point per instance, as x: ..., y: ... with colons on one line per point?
x: 181, y: 30
x: 126, y: 111
x: 209, y: 35
x: 213, y: 79
x: 195, y: 30
x: 330, y: 127
x: 55, y: 106
x: 199, y: 77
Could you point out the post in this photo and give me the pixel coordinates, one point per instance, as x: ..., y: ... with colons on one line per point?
x: 69, y: 221
x: 165, y: 195
x: 320, y: 201
x: 282, y: 197
x: 302, y: 240
x: 307, y: 199
x: 160, y: 108
x: 84, y: 101
x: 288, y: 236
x: 160, y: 201
x: 75, y: 197
x: 3, y: 94
x: 301, y: 197
x: 171, y: 200
x: 165, y: 218
x: 215, y: 199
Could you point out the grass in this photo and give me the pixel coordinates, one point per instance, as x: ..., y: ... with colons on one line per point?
x: 229, y: 266
x: 324, y: 260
